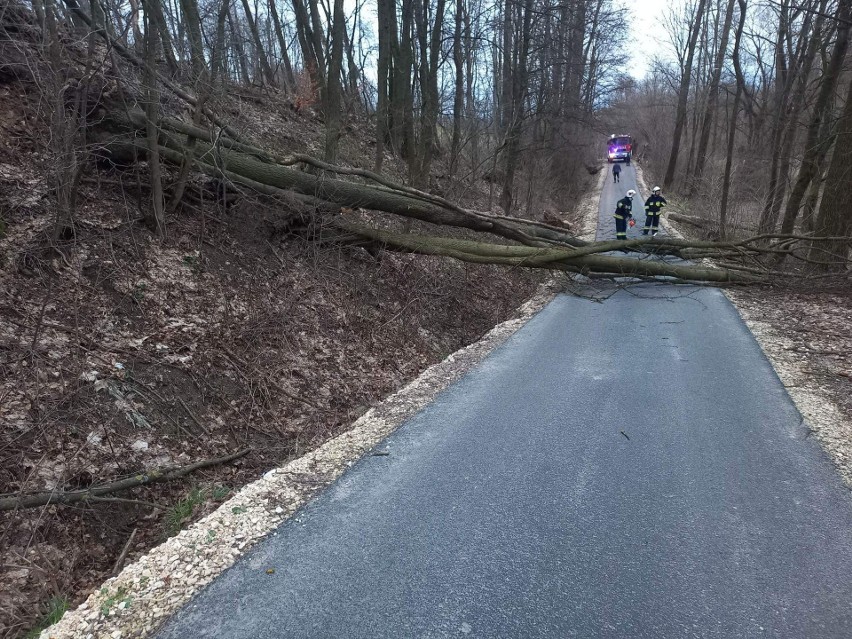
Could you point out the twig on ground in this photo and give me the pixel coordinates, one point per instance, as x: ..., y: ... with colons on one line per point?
x: 120, y: 561
x: 14, y: 502
x: 194, y: 418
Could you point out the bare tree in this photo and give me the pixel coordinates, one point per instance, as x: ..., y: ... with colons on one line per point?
x: 334, y: 90
x: 713, y: 90
x: 156, y: 217
x: 814, y: 152
x: 289, y: 79
x: 683, y: 93
x: 832, y: 219
x: 732, y: 128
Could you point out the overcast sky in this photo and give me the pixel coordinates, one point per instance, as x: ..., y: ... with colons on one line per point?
x: 647, y: 32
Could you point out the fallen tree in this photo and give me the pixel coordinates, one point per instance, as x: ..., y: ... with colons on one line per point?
x: 710, y: 225
x: 218, y: 150
x: 584, y: 260
x: 540, y: 245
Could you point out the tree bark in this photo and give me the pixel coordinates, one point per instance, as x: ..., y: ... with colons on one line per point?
x: 815, y: 152
x: 430, y: 38
x: 833, y: 218
x: 458, y: 95
x: 713, y: 91
x: 732, y: 130
x: 384, y: 79
x: 156, y: 217
x: 333, y: 102
x: 519, y: 86
x: 683, y: 96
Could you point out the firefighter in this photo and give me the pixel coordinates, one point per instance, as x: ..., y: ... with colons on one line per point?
x: 653, y: 207
x: 623, y: 212
x: 616, y: 172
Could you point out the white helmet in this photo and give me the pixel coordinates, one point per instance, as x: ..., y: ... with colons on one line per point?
x: 631, y: 193
x: 655, y: 189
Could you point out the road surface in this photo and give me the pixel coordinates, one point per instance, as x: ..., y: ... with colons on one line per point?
x: 630, y: 467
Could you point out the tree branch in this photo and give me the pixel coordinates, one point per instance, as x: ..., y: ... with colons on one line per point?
x: 141, y: 479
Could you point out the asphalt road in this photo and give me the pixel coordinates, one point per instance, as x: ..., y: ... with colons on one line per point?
x: 614, y: 191
x: 630, y: 467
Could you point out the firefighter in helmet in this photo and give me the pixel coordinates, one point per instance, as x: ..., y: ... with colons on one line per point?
x: 623, y: 212
x: 653, y: 207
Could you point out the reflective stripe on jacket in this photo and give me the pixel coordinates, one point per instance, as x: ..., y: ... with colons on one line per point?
x: 654, y: 204
x: 624, y: 208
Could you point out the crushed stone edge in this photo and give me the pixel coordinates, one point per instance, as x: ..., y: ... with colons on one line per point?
x: 590, y: 211
x: 821, y: 415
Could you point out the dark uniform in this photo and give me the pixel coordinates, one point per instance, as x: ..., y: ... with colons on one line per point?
x: 616, y: 172
x: 653, y: 207
x: 623, y: 212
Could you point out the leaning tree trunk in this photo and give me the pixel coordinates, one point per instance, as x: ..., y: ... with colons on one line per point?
x: 788, y: 121
x: 683, y: 96
x: 63, y: 158
x: 202, y: 90
x: 732, y: 130
x: 713, y: 95
x: 317, y: 35
x: 402, y: 98
x: 334, y: 90
x: 289, y: 79
x: 544, y: 246
x: 384, y: 80
x: 253, y: 166
x: 782, y: 75
x: 833, y: 219
x: 156, y: 218
x: 237, y: 39
x: 265, y: 68
x: 159, y: 23
x: 458, y: 95
x: 431, y: 54
x: 519, y: 81
x: 217, y: 64
x: 813, y: 150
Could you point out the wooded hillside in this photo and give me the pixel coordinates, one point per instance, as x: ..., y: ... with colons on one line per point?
x: 232, y: 226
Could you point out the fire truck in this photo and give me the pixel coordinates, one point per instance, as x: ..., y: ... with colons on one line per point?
x: 619, y: 147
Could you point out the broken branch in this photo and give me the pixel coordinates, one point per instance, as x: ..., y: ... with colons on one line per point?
x: 141, y: 479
